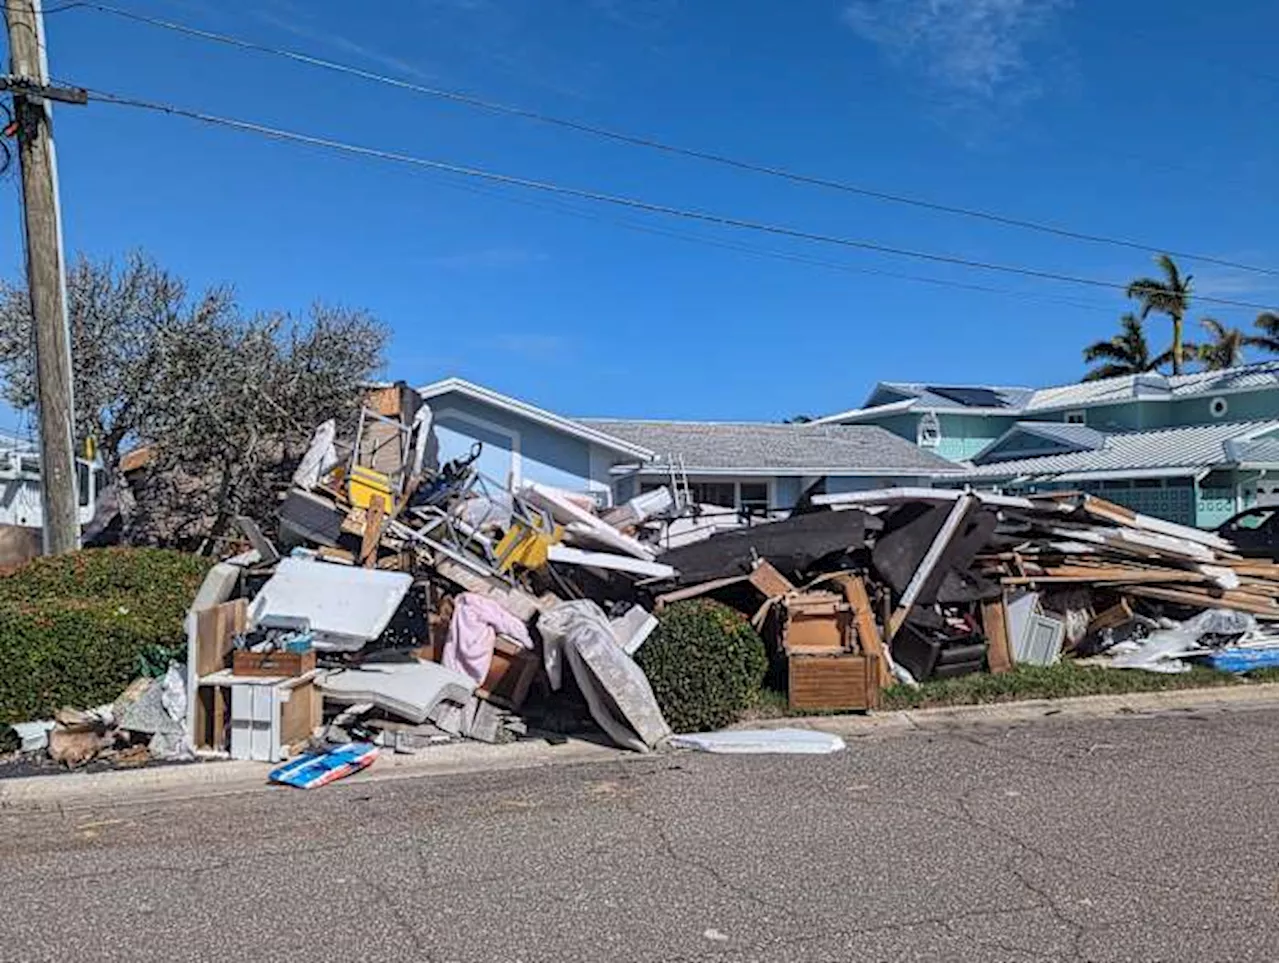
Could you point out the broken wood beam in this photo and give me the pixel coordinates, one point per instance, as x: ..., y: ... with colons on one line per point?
x: 864, y: 622
x: 961, y: 510
x: 995, y: 627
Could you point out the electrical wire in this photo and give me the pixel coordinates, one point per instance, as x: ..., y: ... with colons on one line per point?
x: 631, y: 225
x: 619, y: 200
x: 57, y: 8
x: 657, y: 145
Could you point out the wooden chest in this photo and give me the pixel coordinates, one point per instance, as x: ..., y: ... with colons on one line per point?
x: 817, y: 623
x: 828, y: 682
x: 289, y: 664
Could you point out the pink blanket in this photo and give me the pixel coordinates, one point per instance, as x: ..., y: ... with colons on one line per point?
x: 468, y: 646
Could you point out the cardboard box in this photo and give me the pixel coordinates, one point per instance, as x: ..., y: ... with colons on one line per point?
x: 826, y: 682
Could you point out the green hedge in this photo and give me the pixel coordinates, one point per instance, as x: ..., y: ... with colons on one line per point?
x: 705, y: 663
x: 74, y: 629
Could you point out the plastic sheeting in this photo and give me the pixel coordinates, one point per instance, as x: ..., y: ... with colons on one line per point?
x: 1163, y: 651
x: 773, y: 741
x: 320, y: 459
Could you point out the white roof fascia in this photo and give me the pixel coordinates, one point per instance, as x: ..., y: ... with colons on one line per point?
x: 1102, y: 403
x: 1074, y: 476
x: 662, y: 468
x: 888, y: 496
x: 860, y: 414
x: 533, y: 413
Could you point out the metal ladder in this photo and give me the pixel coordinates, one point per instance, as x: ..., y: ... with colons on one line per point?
x: 679, y: 482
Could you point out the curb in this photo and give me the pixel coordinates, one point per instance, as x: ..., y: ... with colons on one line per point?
x: 1221, y: 698
x: 56, y: 793
x: 63, y: 791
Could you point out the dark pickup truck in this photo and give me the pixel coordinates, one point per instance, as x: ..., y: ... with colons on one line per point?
x: 1253, y: 532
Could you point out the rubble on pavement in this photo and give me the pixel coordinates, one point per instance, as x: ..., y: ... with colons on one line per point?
x: 408, y: 603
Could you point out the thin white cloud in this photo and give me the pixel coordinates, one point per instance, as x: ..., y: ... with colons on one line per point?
x: 294, y: 25
x: 1221, y: 283
x: 973, y: 48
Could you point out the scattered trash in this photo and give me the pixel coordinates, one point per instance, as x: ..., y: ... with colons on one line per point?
x: 33, y: 736
x: 319, y: 769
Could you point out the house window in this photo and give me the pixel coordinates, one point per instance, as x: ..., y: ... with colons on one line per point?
x: 1075, y: 417
x: 713, y: 493
x: 753, y: 497
x: 82, y: 484
x: 928, y: 432
x: 1218, y: 407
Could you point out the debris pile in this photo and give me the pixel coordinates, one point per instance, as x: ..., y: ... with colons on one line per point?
x: 408, y: 603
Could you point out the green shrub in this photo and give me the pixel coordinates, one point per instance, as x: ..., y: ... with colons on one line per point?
x: 705, y: 663
x: 76, y: 629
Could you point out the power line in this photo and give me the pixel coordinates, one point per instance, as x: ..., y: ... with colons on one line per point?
x: 618, y: 200
x: 57, y: 8
x: 561, y: 208
x: 652, y: 144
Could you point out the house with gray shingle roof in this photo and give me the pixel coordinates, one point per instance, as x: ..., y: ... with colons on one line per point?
x: 738, y: 465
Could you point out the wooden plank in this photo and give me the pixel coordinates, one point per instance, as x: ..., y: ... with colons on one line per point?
x: 215, y: 628
x: 693, y: 591
x: 1118, y: 514
x: 372, y: 531
x: 1240, y: 601
x: 1101, y: 576
x: 864, y: 623
x: 995, y: 626
x: 300, y: 715
x: 769, y: 581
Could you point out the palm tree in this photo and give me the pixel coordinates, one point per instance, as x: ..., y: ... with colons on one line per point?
x: 1169, y: 296
x: 1266, y: 339
x: 1126, y: 353
x: 1226, y: 350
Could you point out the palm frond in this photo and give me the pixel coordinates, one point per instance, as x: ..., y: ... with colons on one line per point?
x: 1107, y: 371
x: 1106, y: 350
x: 1266, y: 339
x: 1173, y: 277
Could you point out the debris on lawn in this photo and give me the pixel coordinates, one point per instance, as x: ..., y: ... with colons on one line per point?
x: 410, y: 604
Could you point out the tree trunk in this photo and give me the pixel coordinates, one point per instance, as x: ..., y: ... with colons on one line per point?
x: 1177, y: 344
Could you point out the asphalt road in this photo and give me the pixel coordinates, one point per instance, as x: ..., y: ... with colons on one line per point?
x: 1131, y: 838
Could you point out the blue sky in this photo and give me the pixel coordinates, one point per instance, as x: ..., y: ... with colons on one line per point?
x: 1143, y: 119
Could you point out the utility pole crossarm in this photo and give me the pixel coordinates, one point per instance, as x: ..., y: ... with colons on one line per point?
x: 32, y: 89
x: 28, y: 79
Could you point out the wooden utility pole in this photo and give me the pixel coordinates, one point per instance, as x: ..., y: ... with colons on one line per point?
x: 46, y: 281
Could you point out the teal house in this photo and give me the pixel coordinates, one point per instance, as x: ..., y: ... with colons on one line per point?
x: 1191, y: 448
